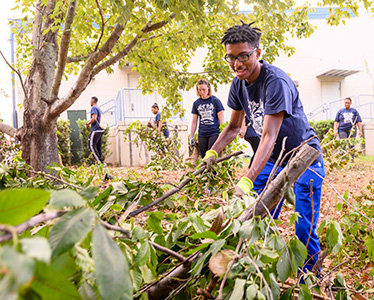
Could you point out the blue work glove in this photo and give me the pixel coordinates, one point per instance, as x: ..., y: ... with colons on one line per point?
x: 210, y: 158
x: 243, y: 187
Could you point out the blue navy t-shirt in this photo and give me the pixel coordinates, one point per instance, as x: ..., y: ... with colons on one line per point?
x: 347, y: 118
x: 95, y: 110
x: 271, y: 93
x: 250, y: 132
x: 207, y: 110
x: 165, y: 129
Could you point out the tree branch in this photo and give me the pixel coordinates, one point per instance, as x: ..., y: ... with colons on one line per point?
x: 168, y: 251
x: 115, y: 228
x: 64, y: 48
x: 9, y: 130
x: 15, y: 71
x: 30, y: 223
x: 147, y: 28
x: 85, y: 75
x: 77, y: 58
x: 102, y: 24
x: 180, y: 186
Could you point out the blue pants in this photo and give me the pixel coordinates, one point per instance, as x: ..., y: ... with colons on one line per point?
x: 303, y: 205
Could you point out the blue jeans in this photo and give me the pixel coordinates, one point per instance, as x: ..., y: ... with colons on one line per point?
x: 303, y: 205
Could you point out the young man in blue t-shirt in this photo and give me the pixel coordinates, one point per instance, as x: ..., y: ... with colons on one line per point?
x: 346, y: 119
x: 269, y: 98
x: 96, y: 134
x: 159, y: 124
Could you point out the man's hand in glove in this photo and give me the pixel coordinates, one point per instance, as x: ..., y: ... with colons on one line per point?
x: 210, y: 158
x: 243, y: 187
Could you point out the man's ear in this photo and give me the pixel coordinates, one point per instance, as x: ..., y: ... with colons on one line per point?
x: 258, y: 53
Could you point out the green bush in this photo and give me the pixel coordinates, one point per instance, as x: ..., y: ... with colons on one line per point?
x: 8, y: 149
x: 322, y: 127
x: 64, y: 142
x: 85, y: 155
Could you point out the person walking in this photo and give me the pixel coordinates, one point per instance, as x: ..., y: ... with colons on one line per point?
x: 95, y: 138
x: 270, y: 100
x: 346, y: 120
x: 159, y: 124
x: 208, y: 111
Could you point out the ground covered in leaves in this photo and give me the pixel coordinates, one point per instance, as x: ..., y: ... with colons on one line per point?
x: 349, y: 182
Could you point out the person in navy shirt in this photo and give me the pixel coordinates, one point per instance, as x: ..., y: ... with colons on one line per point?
x: 159, y: 124
x: 346, y: 119
x: 270, y: 100
x: 95, y: 138
x: 209, y: 110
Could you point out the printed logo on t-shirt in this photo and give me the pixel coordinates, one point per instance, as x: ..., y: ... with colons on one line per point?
x: 257, y: 116
x: 347, y: 117
x: 206, y: 112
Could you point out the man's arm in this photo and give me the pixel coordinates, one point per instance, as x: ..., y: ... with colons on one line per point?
x: 359, y: 125
x: 230, y: 132
x: 93, y: 120
x: 336, y: 128
x: 159, y: 126
x: 271, y: 127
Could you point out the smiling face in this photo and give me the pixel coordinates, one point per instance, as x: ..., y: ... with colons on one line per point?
x: 347, y: 103
x: 247, y: 70
x: 154, y: 110
x: 203, y: 91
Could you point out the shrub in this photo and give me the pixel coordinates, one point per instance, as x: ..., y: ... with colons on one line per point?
x: 85, y: 155
x: 322, y: 127
x: 64, y: 142
x: 8, y: 149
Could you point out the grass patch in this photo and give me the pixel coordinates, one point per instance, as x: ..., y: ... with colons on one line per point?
x: 366, y: 158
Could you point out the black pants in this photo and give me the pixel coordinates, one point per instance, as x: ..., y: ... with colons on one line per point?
x: 205, y: 143
x: 94, y: 142
x: 253, y: 141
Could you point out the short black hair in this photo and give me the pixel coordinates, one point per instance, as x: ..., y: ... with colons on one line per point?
x: 95, y: 99
x: 243, y: 33
x: 348, y: 98
x: 155, y: 106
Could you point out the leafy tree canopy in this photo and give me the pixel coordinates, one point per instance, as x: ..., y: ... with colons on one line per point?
x: 159, y: 37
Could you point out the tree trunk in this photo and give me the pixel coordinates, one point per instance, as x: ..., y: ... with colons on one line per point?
x: 39, y: 137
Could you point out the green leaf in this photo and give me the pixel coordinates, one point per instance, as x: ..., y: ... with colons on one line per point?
x: 19, y: 205
x: 304, y: 293
x: 90, y: 192
x: 204, y: 235
x: 111, y: 267
x: 154, y: 221
x: 66, y: 198
x: 138, y: 233
x: 18, y: 269
x: 87, y: 292
x: 334, y: 236
x: 197, y: 223
x: 71, y: 228
x: 284, y: 267
x: 287, y: 294
x: 251, y: 292
x: 37, y: 247
x: 143, y: 254
x: 268, y: 256
x: 51, y: 281
x: 238, y: 291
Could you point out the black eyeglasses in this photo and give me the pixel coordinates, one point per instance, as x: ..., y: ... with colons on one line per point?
x: 242, y: 57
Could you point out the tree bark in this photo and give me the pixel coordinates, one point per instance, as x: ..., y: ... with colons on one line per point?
x: 270, y: 197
